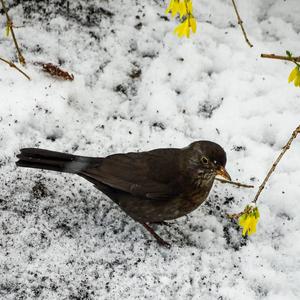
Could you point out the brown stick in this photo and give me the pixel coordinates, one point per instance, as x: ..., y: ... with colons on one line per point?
x: 284, y: 149
x: 240, y: 22
x: 234, y: 216
x: 9, y: 22
x: 273, y: 56
x: 17, y: 27
x: 235, y: 183
x: 11, y: 64
x: 262, y: 186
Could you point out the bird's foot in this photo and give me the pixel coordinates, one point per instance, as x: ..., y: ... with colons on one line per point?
x: 161, y: 241
x: 161, y: 223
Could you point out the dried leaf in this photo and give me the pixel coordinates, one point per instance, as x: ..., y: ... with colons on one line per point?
x: 55, y: 71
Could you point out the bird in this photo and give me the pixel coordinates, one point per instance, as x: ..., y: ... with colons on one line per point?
x: 151, y: 186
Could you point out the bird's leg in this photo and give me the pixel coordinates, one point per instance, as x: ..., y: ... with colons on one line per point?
x: 157, y: 237
x: 161, y: 223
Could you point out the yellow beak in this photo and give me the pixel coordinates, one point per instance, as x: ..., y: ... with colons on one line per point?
x: 223, y: 173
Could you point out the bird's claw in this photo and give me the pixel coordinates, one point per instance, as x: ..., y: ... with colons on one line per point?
x: 157, y: 237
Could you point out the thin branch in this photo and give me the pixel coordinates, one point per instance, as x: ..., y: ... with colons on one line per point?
x: 284, y: 149
x: 240, y: 22
x: 294, y: 59
x: 17, y: 27
x: 234, y: 216
x: 238, y: 184
x: 11, y: 64
x: 9, y: 22
x: 272, y: 169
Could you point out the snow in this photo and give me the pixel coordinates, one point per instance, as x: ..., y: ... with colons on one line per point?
x: 139, y: 87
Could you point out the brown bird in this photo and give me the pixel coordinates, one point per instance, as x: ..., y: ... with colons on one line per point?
x: 152, y: 186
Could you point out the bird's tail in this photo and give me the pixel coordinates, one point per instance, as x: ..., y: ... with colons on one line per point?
x: 55, y: 161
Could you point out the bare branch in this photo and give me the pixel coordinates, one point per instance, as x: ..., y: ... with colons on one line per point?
x: 234, y: 216
x: 235, y: 183
x: 10, y: 24
x: 11, y: 64
x: 284, y: 149
x: 240, y: 22
x: 294, y: 59
x: 272, y: 169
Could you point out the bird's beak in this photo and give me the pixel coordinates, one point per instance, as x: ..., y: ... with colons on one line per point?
x: 223, y: 173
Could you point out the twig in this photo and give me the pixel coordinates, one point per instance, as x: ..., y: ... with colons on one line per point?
x: 240, y: 22
x: 17, y: 27
x: 235, y: 183
x: 273, y: 56
x: 11, y: 64
x: 9, y: 22
x: 234, y: 216
x: 262, y: 186
x: 284, y: 149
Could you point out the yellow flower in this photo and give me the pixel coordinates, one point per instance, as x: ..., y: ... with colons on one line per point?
x: 295, y: 76
x: 173, y: 8
x: 193, y: 24
x: 184, y: 28
x: 183, y: 7
x: 249, y: 219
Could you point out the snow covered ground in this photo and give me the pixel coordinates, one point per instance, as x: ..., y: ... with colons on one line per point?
x: 139, y: 87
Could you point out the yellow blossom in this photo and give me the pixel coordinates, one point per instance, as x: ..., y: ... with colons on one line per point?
x: 183, y: 7
x: 173, y: 8
x: 295, y: 76
x: 193, y: 24
x: 249, y: 219
x: 184, y: 28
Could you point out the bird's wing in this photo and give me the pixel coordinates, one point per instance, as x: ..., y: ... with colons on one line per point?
x: 154, y: 174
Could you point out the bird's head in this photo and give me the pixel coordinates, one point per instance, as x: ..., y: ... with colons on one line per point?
x: 208, y: 158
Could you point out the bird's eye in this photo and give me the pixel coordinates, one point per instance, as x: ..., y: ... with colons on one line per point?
x: 204, y: 160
